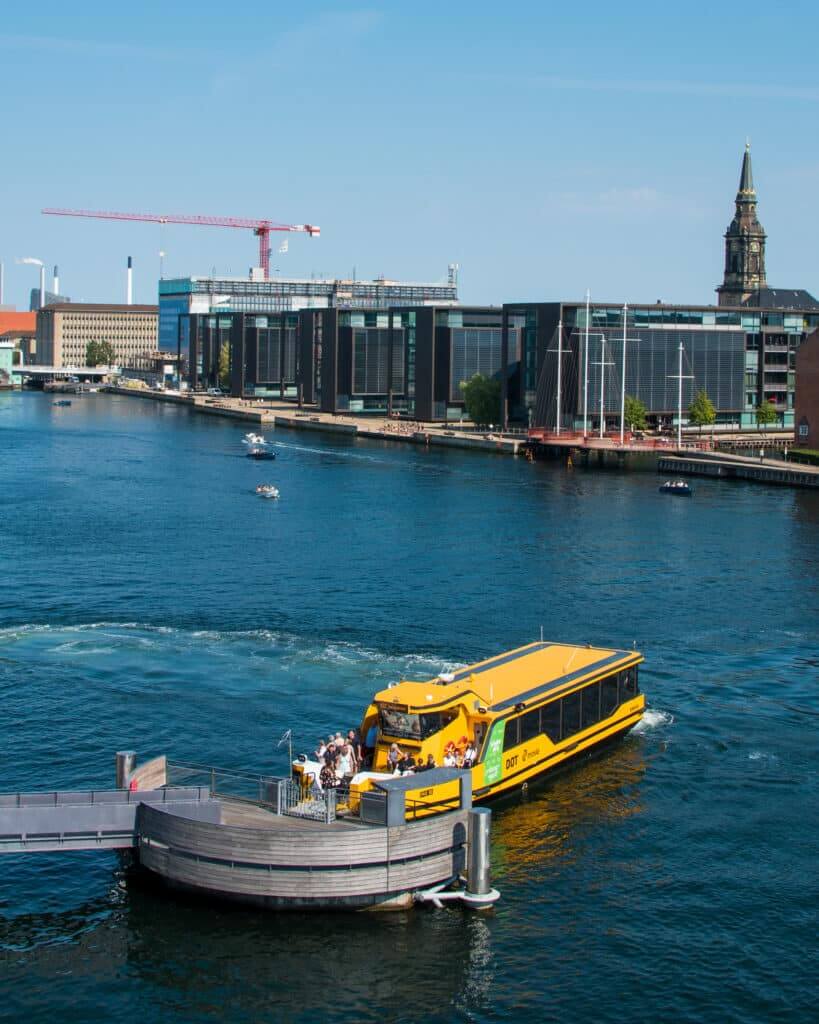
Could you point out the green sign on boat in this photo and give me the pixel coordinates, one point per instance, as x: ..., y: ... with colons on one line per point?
x: 493, y: 761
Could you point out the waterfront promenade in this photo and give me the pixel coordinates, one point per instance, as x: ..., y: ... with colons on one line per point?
x: 280, y: 413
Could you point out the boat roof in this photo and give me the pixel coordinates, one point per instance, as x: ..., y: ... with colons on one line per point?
x: 526, y: 673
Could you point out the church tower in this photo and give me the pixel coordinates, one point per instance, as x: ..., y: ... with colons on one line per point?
x: 744, y: 244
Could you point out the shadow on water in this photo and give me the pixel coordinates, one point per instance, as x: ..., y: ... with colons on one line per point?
x: 397, y: 966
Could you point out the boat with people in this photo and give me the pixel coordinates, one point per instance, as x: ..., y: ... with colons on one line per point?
x: 254, y: 439
x: 508, y: 720
x: 267, y: 491
x: 678, y: 487
x: 263, y: 454
x: 63, y: 402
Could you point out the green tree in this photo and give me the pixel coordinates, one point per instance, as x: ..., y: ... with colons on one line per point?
x: 99, y: 353
x: 701, y: 412
x: 766, y: 413
x: 482, y: 399
x: 635, y: 413
x: 224, y: 366
x: 92, y: 354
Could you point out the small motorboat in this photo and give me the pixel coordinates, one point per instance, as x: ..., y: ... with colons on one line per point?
x: 260, y: 453
x: 63, y: 402
x: 267, y: 491
x: 678, y: 487
x: 254, y: 439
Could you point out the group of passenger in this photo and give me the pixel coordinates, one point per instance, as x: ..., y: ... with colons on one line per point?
x: 462, y: 754
x: 340, y: 757
x: 403, y: 427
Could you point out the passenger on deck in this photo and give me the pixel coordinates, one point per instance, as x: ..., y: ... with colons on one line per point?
x: 395, y: 755
x: 328, y: 778
x: 407, y: 765
x: 346, y: 762
x: 450, y: 760
x: 320, y: 751
x: 355, y: 742
x: 470, y: 754
x: 430, y: 763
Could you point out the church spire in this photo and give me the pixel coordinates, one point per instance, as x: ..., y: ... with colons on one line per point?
x: 744, y: 244
x: 746, y: 178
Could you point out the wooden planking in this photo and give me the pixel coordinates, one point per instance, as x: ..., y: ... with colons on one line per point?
x: 328, y: 886
x: 325, y: 847
x: 151, y: 775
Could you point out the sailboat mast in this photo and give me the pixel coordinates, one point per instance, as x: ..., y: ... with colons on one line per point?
x: 623, y: 379
x: 586, y: 370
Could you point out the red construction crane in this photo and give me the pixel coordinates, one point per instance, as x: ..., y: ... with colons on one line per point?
x: 261, y: 228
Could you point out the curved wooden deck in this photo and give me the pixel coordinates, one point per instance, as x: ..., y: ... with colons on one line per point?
x: 254, y: 856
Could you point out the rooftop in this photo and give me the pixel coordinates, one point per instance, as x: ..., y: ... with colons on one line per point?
x: 99, y: 307
x: 510, y: 678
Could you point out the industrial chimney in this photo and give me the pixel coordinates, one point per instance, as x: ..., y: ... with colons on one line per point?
x: 130, y: 293
x: 56, y: 281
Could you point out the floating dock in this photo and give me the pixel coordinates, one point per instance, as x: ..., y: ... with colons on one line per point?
x: 265, y: 841
x: 740, y: 467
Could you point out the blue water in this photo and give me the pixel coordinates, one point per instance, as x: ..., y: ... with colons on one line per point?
x: 149, y: 600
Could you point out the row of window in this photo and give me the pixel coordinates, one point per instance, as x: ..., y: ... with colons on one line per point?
x: 577, y: 711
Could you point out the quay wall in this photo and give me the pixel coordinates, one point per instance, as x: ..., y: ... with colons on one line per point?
x: 326, y: 423
x: 739, y: 468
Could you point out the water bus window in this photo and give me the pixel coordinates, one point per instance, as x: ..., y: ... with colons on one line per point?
x: 571, y: 714
x: 628, y: 684
x: 510, y: 735
x: 529, y: 725
x: 608, y: 697
x: 590, y: 712
x: 409, y: 726
x: 550, y: 719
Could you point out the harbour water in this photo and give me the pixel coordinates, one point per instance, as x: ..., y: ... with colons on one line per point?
x: 149, y: 600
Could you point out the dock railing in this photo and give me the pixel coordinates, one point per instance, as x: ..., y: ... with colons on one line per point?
x: 278, y: 794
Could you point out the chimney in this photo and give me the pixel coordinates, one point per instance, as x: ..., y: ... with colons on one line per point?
x: 42, y: 285
x: 130, y: 294
x: 56, y: 281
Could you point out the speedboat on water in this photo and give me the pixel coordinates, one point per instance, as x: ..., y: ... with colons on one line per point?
x: 267, y: 491
x: 678, y: 487
x: 260, y: 453
x: 63, y: 402
x: 253, y: 439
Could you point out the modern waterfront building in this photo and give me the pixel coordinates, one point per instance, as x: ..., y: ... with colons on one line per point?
x: 181, y: 297
x: 64, y: 331
x: 411, y: 361
x: 806, y: 417
x: 741, y: 356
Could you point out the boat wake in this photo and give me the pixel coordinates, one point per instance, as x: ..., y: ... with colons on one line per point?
x: 654, y: 719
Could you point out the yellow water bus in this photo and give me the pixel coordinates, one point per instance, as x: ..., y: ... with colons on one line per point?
x: 523, y: 713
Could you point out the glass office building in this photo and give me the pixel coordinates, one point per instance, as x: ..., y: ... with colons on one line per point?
x: 740, y: 357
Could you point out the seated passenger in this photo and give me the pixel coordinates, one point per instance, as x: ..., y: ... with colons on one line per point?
x: 450, y: 760
x: 470, y: 755
x: 430, y: 762
x: 407, y: 765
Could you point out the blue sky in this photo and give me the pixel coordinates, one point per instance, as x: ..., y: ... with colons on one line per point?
x: 545, y: 148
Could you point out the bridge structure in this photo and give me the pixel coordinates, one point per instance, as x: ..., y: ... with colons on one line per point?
x: 45, y: 373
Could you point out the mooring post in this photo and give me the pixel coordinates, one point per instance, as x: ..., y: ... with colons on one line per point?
x: 478, y: 892
x: 125, y: 765
x: 478, y: 882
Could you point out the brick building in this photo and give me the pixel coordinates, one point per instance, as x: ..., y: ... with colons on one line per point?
x: 806, y: 414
